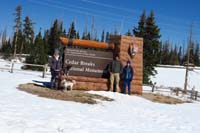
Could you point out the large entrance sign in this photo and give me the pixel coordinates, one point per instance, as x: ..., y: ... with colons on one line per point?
x: 89, y: 67
x: 89, y: 63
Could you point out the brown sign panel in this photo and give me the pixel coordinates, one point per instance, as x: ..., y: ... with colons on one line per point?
x: 90, y: 63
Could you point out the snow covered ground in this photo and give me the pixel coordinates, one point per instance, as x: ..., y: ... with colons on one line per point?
x: 175, y: 77
x: 21, y: 112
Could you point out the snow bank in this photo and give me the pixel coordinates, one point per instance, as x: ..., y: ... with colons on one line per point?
x: 21, y: 112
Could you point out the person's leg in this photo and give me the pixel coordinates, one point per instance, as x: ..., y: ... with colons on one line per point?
x: 52, y: 82
x: 52, y: 79
x: 111, y: 81
x: 124, y: 86
x: 117, y: 82
x: 129, y: 87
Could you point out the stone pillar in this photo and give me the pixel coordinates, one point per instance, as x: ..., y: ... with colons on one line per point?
x: 123, y: 43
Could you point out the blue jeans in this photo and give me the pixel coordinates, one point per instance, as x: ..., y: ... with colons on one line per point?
x: 127, y: 82
x: 54, y: 79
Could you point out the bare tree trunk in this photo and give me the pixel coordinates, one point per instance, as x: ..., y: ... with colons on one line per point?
x: 188, y: 61
x: 15, y: 46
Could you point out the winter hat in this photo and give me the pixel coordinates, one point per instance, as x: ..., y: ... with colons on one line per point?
x: 56, y: 51
x: 128, y: 62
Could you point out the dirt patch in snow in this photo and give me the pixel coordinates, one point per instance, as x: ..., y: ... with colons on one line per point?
x: 74, y: 95
x: 161, y: 98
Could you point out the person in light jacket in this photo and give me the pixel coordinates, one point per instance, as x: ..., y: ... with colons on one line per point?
x: 115, y: 69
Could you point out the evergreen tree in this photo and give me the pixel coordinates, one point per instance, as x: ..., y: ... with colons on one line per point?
x: 173, y: 57
x: 56, y: 31
x: 77, y: 35
x: 151, y: 48
x: 72, y: 31
x: 6, y: 48
x: 64, y: 33
x: 4, y: 37
x: 41, y: 55
x: 45, y: 41
x: 84, y: 36
x: 103, y: 36
x: 107, y: 36
x: 28, y: 35
x: 129, y: 33
x: 180, y: 56
x: 38, y: 54
x: 197, y: 55
x: 192, y: 50
x: 165, y: 53
x: 140, y: 30
x: 152, y: 38
x: 191, y: 56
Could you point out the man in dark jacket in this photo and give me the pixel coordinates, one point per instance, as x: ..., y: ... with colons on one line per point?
x: 127, y: 77
x: 55, y: 67
x: 115, y: 68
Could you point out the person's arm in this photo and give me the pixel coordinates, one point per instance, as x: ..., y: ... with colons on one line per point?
x: 51, y: 64
x: 110, y: 67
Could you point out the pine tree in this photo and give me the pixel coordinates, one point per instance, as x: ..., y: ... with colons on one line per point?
x: 4, y: 37
x: 180, y: 56
x: 86, y: 36
x: 45, y: 41
x: 38, y: 54
x: 103, y: 36
x: 165, y: 53
x: 72, y: 31
x: 128, y: 33
x: 6, y: 45
x: 197, y: 55
x: 41, y: 56
x: 55, y: 32
x: 77, y: 35
x: 28, y: 35
x: 173, y: 60
x: 140, y: 30
x: 7, y: 48
x: 151, y: 48
x: 107, y: 36
x: 191, y: 59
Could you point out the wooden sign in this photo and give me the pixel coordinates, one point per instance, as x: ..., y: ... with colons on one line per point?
x: 89, y: 63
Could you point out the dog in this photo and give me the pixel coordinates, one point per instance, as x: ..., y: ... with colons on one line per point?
x: 67, y: 85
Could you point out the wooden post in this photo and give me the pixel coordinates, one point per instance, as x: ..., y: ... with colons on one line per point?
x: 196, y: 95
x: 177, y: 91
x: 192, y: 94
x: 12, y: 67
x: 153, y: 87
x: 188, y: 61
x: 44, y: 71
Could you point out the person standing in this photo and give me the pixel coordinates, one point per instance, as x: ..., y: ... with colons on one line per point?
x: 55, y: 67
x: 115, y: 68
x: 127, y: 77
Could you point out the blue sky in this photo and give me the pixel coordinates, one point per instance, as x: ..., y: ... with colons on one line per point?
x: 174, y: 17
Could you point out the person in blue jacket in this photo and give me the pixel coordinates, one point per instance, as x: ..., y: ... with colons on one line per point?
x: 127, y: 77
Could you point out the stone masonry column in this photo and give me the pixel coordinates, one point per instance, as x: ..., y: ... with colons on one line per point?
x: 123, y: 43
